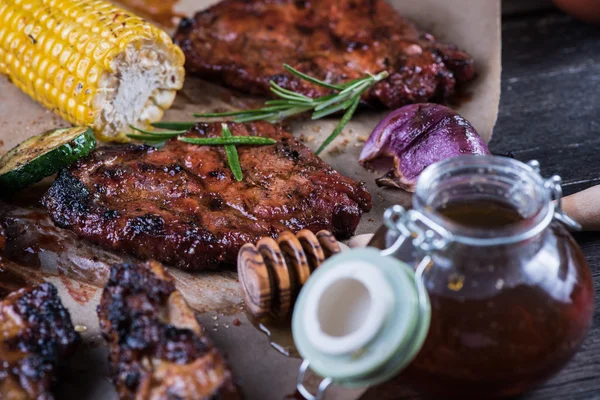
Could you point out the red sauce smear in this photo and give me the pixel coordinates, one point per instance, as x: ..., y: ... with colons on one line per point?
x: 80, y: 292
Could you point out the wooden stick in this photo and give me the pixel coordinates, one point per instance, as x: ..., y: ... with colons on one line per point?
x: 584, y: 207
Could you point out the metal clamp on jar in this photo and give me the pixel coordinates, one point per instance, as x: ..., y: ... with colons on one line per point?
x: 479, y: 291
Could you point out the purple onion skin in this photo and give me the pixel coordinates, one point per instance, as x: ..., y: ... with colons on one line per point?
x: 412, y: 138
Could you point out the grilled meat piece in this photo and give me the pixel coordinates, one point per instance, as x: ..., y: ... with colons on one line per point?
x: 181, y: 204
x: 14, y: 276
x: 2, y: 239
x: 35, y: 334
x: 157, y: 348
x: 244, y: 44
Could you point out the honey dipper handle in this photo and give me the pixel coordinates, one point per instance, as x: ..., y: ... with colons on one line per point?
x: 584, y: 207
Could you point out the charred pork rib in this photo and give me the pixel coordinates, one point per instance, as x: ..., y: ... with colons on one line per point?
x: 244, y: 44
x: 35, y: 334
x: 181, y: 204
x: 157, y: 348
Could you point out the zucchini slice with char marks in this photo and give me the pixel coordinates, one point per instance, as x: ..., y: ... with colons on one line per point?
x: 43, y: 155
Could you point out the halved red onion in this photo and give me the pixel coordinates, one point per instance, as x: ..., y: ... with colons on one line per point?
x: 413, y: 137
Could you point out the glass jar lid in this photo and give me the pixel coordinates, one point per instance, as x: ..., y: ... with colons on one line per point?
x: 360, y: 319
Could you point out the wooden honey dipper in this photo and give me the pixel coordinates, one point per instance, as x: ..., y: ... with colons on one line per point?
x: 272, y: 273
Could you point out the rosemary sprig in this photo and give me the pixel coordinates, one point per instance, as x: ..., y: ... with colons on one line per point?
x: 340, y: 125
x: 173, y: 125
x: 153, y: 137
x: 232, y: 155
x: 226, y: 139
x: 222, y: 141
x: 291, y: 103
x: 311, y: 79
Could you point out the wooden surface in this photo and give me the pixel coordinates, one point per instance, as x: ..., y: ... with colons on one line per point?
x: 550, y: 111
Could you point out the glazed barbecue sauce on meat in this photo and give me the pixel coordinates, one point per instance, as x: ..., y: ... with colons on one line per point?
x: 245, y: 43
x: 37, y: 335
x: 13, y: 276
x: 143, y: 317
x: 181, y: 204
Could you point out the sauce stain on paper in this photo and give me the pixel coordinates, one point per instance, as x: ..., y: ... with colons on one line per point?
x: 159, y: 11
x: 80, y: 292
x: 279, y: 333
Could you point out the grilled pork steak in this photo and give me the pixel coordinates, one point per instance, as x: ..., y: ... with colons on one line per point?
x: 244, y: 44
x: 157, y: 348
x: 36, y: 334
x: 182, y: 205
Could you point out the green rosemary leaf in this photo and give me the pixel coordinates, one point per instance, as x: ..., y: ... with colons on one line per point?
x: 173, y: 125
x: 276, y: 102
x: 221, y: 114
x: 329, y: 107
x: 288, y: 94
x: 232, y: 155
x: 380, y: 76
x: 311, y: 79
x: 149, y: 138
x: 337, y: 99
x: 347, y: 116
x: 165, y: 134
x: 352, y: 82
x: 241, y: 112
x: 237, y: 140
x: 285, y: 102
x: 325, y: 98
x: 332, y: 109
x: 357, y: 87
x: 281, y: 115
x: 356, y: 92
x: 283, y: 95
x: 300, y: 96
x: 255, y: 117
x: 293, y: 111
x: 276, y: 116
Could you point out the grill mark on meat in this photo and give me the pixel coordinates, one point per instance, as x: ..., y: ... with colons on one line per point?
x: 182, y: 206
x: 72, y: 199
x: 156, y: 346
x: 37, y: 334
x: 244, y: 44
x: 147, y: 223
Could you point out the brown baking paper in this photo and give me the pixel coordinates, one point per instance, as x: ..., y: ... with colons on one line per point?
x: 263, y: 373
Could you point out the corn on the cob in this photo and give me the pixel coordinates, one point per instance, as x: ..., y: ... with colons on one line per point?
x: 91, y: 62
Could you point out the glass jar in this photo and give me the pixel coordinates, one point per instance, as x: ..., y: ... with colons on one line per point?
x: 509, y: 291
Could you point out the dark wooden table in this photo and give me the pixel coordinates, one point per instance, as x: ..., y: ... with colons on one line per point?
x: 550, y: 111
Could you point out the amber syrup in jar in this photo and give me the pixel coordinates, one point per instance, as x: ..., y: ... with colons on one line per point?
x: 511, y: 295
x: 480, y: 213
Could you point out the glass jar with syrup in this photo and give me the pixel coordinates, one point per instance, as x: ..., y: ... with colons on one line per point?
x: 477, y: 292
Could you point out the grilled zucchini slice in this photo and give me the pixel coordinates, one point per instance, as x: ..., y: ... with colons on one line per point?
x: 43, y: 155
